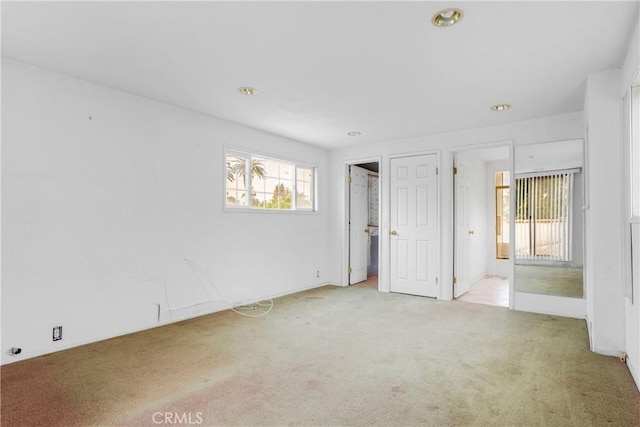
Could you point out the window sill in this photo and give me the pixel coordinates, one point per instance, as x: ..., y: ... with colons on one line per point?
x: 269, y: 211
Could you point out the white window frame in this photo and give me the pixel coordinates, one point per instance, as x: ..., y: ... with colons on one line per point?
x: 296, y: 164
x: 632, y: 228
x: 634, y: 154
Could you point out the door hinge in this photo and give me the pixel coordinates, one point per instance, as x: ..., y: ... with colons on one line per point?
x: 455, y: 170
x: 349, y: 270
x: 349, y: 179
x: 436, y: 280
x: 437, y: 171
x: 455, y: 280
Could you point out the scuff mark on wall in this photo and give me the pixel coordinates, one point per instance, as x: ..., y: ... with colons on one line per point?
x: 215, y: 302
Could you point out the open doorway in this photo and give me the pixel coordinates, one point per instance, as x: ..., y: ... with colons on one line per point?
x: 363, y: 223
x: 482, y: 265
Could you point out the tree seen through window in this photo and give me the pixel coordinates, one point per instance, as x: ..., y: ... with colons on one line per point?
x: 262, y: 183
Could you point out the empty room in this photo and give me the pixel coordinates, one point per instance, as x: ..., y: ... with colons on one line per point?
x: 320, y: 213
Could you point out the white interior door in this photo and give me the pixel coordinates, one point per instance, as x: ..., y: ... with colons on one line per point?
x: 358, y: 225
x: 413, y: 225
x: 462, y: 230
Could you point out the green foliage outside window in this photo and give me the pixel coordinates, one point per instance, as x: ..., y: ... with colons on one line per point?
x: 270, y: 183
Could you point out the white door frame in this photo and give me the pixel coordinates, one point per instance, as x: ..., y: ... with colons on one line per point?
x: 512, y: 204
x: 382, y: 266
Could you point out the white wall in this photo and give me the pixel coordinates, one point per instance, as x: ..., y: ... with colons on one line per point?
x: 557, y: 128
x: 631, y: 309
x: 106, y: 194
x: 603, y: 255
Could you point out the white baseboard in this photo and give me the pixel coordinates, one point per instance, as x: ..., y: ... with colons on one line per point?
x: 210, y: 307
x: 549, y: 304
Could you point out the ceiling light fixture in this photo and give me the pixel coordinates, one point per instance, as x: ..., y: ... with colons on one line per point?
x: 500, y: 107
x: 447, y: 17
x: 354, y: 133
x: 246, y: 90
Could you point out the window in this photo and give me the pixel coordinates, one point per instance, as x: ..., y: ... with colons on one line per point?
x: 502, y: 215
x: 262, y: 183
x: 633, y: 186
x: 635, y: 152
x: 543, y: 216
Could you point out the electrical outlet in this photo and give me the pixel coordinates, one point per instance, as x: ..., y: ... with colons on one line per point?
x: 318, y: 273
x: 57, y: 333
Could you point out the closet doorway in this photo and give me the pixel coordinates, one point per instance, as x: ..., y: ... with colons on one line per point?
x: 482, y: 268
x: 363, y: 223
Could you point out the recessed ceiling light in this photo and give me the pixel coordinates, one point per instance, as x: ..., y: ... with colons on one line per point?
x: 447, y: 17
x: 355, y: 133
x: 501, y: 107
x: 246, y: 90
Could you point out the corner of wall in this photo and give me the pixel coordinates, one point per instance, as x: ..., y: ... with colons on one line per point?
x: 603, y: 272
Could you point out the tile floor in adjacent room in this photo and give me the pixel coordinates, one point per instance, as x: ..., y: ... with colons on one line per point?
x: 490, y: 290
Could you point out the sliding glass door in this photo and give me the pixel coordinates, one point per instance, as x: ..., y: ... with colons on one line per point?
x: 543, y: 216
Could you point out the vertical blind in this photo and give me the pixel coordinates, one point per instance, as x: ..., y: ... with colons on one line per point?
x: 543, y: 216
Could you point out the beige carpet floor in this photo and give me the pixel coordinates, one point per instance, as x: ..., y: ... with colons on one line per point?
x: 328, y: 357
x: 545, y: 280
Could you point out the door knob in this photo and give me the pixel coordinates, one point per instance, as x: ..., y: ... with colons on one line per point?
x: 394, y: 233
x: 470, y: 232
x: 366, y: 230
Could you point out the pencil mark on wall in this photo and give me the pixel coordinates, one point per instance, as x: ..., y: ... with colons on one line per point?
x: 250, y: 309
x: 204, y: 278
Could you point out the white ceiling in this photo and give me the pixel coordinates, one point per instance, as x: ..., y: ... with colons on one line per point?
x: 326, y: 68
